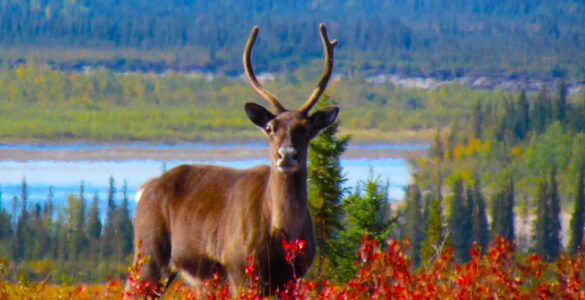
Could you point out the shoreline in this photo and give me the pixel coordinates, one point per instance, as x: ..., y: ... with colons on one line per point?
x: 186, y: 152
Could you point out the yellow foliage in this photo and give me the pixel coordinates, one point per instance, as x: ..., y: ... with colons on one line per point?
x: 446, y: 155
x: 473, y: 146
x: 421, y: 163
x: 20, y: 72
x: 457, y: 151
x: 516, y: 152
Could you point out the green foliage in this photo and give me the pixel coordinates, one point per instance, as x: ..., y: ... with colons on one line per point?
x: 480, y: 227
x: 38, y: 103
x: 93, y: 228
x: 503, y: 211
x: 48, y: 244
x: 436, y: 233
x: 547, y: 225
x: 552, y: 148
x: 521, y: 138
x: 459, y: 222
x: 325, y: 192
x: 414, y: 227
x: 408, y: 36
x: 367, y: 215
x: 578, y: 217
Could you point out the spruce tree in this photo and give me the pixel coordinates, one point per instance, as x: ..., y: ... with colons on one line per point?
x: 75, y: 227
x: 523, y: 117
x: 23, y: 230
x: 477, y: 120
x: 110, y: 235
x: 554, y: 218
x: 124, y: 225
x: 480, y: 226
x: 325, y: 191
x: 503, y: 212
x: 459, y: 222
x: 5, y: 232
x: 61, y: 241
x: 436, y: 234
x: 560, y: 104
x: 437, y: 150
x: 367, y: 215
x: 94, y: 228
x: 547, y: 224
x: 578, y: 217
x: 540, y: 227
x: 414, y: 222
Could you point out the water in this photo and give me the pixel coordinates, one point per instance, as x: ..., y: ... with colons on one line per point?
x: 65, y: 177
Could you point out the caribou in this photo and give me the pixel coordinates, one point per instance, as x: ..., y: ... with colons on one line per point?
x: 201, y: 220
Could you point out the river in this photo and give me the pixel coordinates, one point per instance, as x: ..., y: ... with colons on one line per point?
x: 64, y: 167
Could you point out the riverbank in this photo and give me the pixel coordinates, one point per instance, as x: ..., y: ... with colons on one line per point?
x: 185, y: 152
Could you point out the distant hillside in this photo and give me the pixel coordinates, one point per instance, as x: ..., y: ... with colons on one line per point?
x: 445, y: 38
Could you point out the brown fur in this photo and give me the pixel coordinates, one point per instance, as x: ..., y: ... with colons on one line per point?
x: 206, y: 219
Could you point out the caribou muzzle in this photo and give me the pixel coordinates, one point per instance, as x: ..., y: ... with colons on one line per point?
x: 287, y: 159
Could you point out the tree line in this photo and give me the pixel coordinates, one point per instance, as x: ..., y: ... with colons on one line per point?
x: 520, y: 162
x: 444, y: 37
x: 62, y: 244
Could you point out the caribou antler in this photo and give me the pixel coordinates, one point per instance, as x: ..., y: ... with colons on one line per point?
x: 265, y: 94
x: 327, y: 68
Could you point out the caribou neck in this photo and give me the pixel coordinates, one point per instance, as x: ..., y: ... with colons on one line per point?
x: 287, y: 202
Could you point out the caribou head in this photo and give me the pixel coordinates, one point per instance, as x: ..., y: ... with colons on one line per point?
x: 289, y: 131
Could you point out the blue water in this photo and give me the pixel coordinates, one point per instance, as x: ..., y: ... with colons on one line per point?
x: 65, y: 177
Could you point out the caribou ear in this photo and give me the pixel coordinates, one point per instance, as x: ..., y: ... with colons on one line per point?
x: 322, y: 119
x: 259, y: 115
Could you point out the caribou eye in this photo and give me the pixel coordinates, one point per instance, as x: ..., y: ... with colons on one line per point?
x: 268, y: 129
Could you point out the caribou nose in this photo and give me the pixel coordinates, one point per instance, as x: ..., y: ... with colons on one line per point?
x: 285, y: 152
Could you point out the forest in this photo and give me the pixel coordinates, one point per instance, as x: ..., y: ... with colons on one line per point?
x: 439, y: 38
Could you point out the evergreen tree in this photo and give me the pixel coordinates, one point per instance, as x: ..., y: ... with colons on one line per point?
x: 503, y: 212
x: 5, y: 232
x: 110, y: 235
x: 41, y: 239
x: 414, y: 222
x: 124, y: 226
x: 325, y: 191
x: 94, y: 227
x: 540, y: 228
x: 367, y: 215
x: 540, y: 113
x: 428, y: 201
x: 61, y: 241
x: 437, y: 150
x: 436, y: 234
x: 75, y: 225
x: 523, y: 117
x: 547, y: 224
x: 23, y: 231
x: 578, y: 217
x: 480, y: 226
x: 554, y: 218
x: 459, y: 223
x: 560, y: 104
x: 477, y: 118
